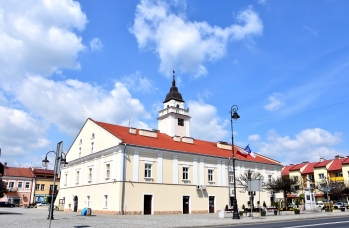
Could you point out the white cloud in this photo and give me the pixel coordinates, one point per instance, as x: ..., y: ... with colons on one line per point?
x: 311, y: 30
x: 205, y: 123
x: 37, y: 36
x: 308, y: 145
x: 96, y: 44
x: 262, y: 2
x: 188, y: 45
x: 275, y: 102
x: 138, y: 83
x: 20, y: 132
x: 254, y: 137
x: 69, y: 103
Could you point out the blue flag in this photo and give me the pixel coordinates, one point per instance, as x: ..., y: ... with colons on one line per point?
x: 249, y: 151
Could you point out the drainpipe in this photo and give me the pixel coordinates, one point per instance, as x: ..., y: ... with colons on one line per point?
x: 123, y: 181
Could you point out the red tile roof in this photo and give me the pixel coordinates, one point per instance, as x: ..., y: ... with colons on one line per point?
x: 18, y: 172
x: 336, y: 164
x: 43, y: 171
x: 346, y: 161
x: 286, y: 170
x: 298, y: 166
x: 322, y: 164
x: 309, y: 168
x: 163, y: 141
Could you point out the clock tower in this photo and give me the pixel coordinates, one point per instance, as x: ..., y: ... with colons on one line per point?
x: 173, y: 119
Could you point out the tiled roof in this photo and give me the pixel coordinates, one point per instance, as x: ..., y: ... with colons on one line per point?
x: 322, y: 164
x: 309, y: 168
x: 43, y: 171
x: 298, y: 166
x: 346, y: 161
x: 18, y: 172
x: 336, y: 164
x: 286, y: 170
x: 163, y: 141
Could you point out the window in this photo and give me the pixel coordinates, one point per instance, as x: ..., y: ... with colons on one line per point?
x: 11, y: 184
x: 66, y: 179
x: 92, y: 147
x: 77, y: 177
x: 88, y: 201
x: 20, y: 184
x: 42, y: 187
x: 107, y: 168
x: 311, y: 177
x: 269, y: 178
x: 37, y: 187
x: 321, y: 176
x: 339, y: 174
x: 180, y: 122
x: 296, y: 187
x: 105, y: 201
x: 185, y: 173
x: 147, y: 173
x: 93, y: 136
x: 295, y: 177
x: 80, y: 141
x: 51, y: 186
x: 210, y: 175
x: 231, y: 177
x: 27, y: 184
x: 79, y: 152
x: 89, y: 174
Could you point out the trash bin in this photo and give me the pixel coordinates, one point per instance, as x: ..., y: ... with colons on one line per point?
x: 275, y: 212
x: 342, y: 209
x: 89, y: 211
x: 84, y: 212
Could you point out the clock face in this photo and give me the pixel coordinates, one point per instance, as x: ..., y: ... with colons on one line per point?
x: 180, y: 122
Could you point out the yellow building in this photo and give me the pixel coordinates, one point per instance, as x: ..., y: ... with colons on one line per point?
x: 44, y: 185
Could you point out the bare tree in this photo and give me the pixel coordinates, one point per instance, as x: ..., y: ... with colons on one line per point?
x: 249, y: 175
x: 3, y: 189
x: 285, y: 185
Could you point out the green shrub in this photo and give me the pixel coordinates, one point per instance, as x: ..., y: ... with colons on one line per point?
x: 296, y: 211
x: 243, y: 206
x: 263, y: 212
x: 264, y: 204
x: 241, y: 213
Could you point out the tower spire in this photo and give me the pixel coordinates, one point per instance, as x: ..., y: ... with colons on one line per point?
x: 174, y: 79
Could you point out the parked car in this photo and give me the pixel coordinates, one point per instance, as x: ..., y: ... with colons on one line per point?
x: 320, y: 204
x: 6, y: 204
x: 42, y: 205
x: 339, y: 204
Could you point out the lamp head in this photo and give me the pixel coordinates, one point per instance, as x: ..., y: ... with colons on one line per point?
x: 235, y: 115
x: 45, y: 162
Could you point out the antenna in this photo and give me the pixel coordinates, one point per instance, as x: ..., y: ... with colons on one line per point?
x: 129, y: 120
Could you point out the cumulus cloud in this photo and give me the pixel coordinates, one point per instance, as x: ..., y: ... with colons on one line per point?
x: 69, y: 103
x: 37, y: 36
x: 188, y: 45
x: 138, y: 83
x: 205, y: 123
x: 262, y: 2
x: 254, y: 137
x: 275, y: 102
x: 96, y: 44
x: 308, y: 145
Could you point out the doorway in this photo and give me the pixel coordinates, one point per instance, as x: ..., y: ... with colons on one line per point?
x: 185, y: 204
x: 211, y: 204
x: 147, y: 204
x: 75, y: 199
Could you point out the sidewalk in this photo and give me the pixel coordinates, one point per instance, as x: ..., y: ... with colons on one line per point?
x: 36, y: 218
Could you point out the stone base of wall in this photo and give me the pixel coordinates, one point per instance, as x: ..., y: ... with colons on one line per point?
x: 200, y: 212
x: 105, y: 212
x: 167, y: 212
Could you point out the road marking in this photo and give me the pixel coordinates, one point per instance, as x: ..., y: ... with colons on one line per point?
x: 319, y: 224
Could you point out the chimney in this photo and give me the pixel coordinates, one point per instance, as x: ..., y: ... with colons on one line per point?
x: 305, y: 162
x: 291, y: 164
x: 322, y: 159
x: 5, y: 164
x: 337, y: 156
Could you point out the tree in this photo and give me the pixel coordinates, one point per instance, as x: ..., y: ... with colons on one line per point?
x: 283, y: 184
x: 337, y: 189
x: 249, y: 175
x: 3, y: 189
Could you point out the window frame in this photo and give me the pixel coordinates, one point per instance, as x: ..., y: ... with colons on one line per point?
x: 107, y: 171
x: 37, y: 187
x: 148, y: 170
x: 77, y: 176
x: 90, y: 174
x: 42, y: 187
x: 321, y: 176
x: 210, y: 176
x: 105, y: 202
x: 185, y: 171
x: 27, y: 183
x: 20, y: 182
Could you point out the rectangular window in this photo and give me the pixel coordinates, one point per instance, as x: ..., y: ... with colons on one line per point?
x: 185, y: 173
x: 88, y: 201
x: 107, y: 168
x: 105, y: 201
x: 51, y: 186
x: 80, y: 152
x: 231, y: 177
x: 77, y: 177
x: 311, y: 177
x: 210, y: 175
x: 339, y: 174
x: 66, y: 179
x: 90, y: 174
x: 92, y: 147
x: 269, y: 178
x: 321, y: 176
x: 27, y: 184
x: 295, y: 177
x: 42, y: 188
x: 147, y: 173
x: 11, y: 184
x: 20, y: 184
x: 37, y: 187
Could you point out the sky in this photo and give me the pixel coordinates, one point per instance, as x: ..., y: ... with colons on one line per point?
x: 285, y: 64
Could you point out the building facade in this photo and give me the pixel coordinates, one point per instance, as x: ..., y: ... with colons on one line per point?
x: 44, y: 185
x: 123, y: 170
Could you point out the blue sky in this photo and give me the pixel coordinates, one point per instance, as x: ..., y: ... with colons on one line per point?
x: 284, y: 63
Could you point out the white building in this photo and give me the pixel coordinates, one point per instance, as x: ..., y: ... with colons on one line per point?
x: 119, y: 170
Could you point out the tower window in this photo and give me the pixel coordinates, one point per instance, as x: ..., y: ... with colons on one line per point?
x: 180, y: 122
x: 178, y: 106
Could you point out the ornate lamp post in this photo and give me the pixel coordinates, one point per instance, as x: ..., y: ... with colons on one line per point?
x: 60, y: 160
x: 234, y: 115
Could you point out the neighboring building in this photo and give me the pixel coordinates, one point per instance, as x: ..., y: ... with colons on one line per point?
x: 20, y: 182
x: 44, y: 185
x: 123, y: 170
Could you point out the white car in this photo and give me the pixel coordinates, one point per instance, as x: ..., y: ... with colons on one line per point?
x: 320, y: 204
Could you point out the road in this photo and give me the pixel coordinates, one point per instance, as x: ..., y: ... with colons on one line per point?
x: 342, y: 222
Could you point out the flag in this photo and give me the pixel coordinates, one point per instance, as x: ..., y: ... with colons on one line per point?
x: 242, y: 151
x: 249, y: 151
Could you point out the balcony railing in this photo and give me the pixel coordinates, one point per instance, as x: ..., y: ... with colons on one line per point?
x: 334, y: 179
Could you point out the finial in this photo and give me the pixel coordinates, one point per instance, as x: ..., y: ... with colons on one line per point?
x: 174, y: 74
x: 173, y: 80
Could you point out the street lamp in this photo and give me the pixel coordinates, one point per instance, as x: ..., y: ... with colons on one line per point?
x: 60, y: 160
x: 234, y: 115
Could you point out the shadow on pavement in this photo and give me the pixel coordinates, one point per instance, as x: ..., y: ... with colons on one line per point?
x: 83, y: 226
x: 9, y: 213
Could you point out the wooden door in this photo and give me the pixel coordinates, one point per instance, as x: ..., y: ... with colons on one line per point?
x: 76, y: 201
x: 211, y: 204
x: 185, y: 204
x: 147, y: 204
